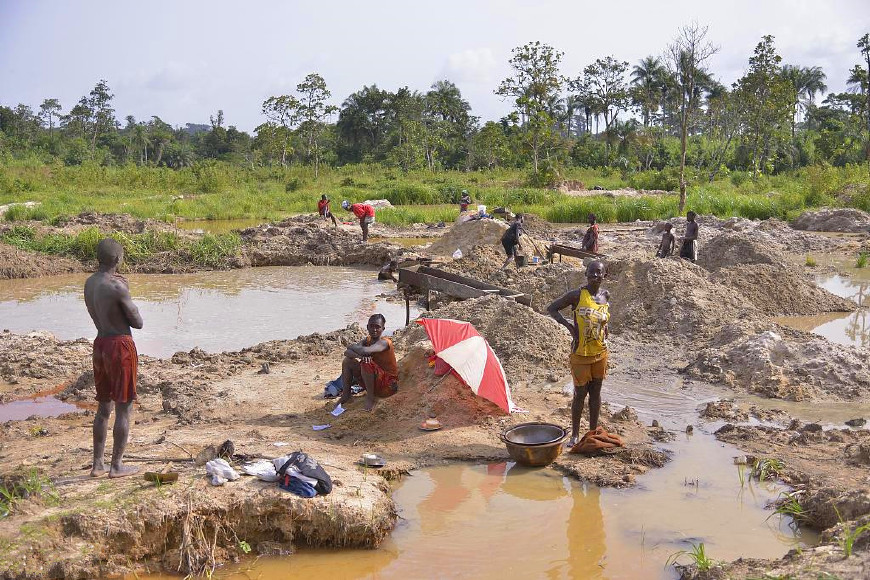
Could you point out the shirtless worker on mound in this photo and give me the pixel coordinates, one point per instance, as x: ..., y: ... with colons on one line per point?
x: 107, y: 297
x: 372, y: 362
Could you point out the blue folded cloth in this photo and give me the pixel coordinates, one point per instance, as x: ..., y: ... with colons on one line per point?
x: 297, y: 486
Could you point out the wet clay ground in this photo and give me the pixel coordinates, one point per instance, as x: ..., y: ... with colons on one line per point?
x: 673, y: 322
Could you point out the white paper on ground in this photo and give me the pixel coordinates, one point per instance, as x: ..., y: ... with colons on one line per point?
x: 321, y: 427
x: 338, y: 410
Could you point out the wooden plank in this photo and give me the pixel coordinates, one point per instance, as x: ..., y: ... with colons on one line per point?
x: 455, y: 285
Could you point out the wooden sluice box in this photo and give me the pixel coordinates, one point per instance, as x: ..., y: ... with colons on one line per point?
x: 425, y: 278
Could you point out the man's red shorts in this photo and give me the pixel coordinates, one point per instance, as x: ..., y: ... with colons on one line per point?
x: 115, y: 367
x: 385, y: 385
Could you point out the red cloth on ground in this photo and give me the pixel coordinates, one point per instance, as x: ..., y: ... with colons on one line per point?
x: 115, y: 367
x: 597, y: 440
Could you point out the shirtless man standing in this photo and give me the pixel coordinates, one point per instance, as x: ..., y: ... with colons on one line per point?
x: 107, y: 296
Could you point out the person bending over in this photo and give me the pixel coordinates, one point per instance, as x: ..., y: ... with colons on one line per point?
x: 107, y: 298
x: 365, y: 213
x: 372, y: 362
x: 588, y: 360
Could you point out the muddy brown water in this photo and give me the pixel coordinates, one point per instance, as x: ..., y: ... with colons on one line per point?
x: 852, y: 329
x: 215, y: 311
x: 502, y: 520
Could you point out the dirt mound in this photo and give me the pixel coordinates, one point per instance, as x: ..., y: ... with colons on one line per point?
x: 798, y: 367
x: 527, y: 343
x: 670, y: 296
x: 302, y: 240
x: 732, y: 249
x: 466, y: 235
x: 539, y: 228
x: 41, y: 356
x: 112, y: 222
x: 780, y: 290
x: 833, y: 220
x: 15, y: 263
x: 421, y: 394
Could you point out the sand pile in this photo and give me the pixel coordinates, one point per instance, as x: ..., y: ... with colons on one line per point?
x: 466, y: 235
x: 302, y: 240
x: 670, y: 296
x: 780, y: 290
x: 113, y: 222
x: 768, y: 364
x: 421, y: 394
x: 527, y: 343
x: 833, y: 220
x: 15, y: 263
x: 732, y: 249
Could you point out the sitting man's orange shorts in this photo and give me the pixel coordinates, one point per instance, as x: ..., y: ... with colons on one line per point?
x: 115, y: 368
x: 586, y: 368
x: 386, y: 385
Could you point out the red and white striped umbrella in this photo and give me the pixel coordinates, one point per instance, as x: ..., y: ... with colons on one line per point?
x: 460, y: 345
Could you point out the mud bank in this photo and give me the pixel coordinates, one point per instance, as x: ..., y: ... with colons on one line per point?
x: 833, y: 220
x: 296, y: 241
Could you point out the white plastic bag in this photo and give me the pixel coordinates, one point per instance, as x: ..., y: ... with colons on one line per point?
x: 221, y: 469
x: 457, y: 254
x: 262, y: 469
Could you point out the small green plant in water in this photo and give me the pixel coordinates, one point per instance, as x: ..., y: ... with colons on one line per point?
x: 789, y: 505
x: 698, y: 556
x: 767, y: 468
x: 811, y: 262
x: 245, y: 547
x: 861, y: 262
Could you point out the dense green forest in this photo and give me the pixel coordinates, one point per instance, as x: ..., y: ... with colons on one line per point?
x: 663, y: 123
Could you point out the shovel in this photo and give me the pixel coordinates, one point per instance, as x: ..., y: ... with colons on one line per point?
x: 162, y: 476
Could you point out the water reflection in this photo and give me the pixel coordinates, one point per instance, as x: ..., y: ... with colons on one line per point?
x: 505, y: 521
x: 852, y: 329
x: 215, y: 311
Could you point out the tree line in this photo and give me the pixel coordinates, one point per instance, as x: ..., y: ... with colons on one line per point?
x: 666, y: 113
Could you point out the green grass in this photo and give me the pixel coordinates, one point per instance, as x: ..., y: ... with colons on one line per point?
x: 767, y: 468
x: 789, y: 505
x: 861, y: 262
x: 208, y: 251
x: 216, y: 190
x: 810, y: 262
x: 698, y: 556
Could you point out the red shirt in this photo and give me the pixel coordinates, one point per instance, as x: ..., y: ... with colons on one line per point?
x: 322, y: 206
x: 362, y: 210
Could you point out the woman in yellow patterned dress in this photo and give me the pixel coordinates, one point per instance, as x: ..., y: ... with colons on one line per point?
x: 590, y: 312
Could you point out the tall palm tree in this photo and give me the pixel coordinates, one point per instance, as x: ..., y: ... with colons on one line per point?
x: 807, y: 81
x: 646, y: 76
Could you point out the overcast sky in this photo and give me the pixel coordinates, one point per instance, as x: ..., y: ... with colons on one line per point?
x: 184, y: 60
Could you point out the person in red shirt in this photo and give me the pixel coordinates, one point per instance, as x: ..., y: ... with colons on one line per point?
x: 590, y: 238
x: 323, y: 210
x: 364, y: 212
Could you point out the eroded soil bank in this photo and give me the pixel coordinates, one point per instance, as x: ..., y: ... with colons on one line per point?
x: 672, y: 321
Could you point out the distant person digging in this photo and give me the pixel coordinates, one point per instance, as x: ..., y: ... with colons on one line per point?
x: 590, y: 238
x: 666, y: 247
x: 689, y: 248
x: 364, y: 212
x: 323, y: 210
x: 107, y: 297
x: 511, y: 239
x: 464, y: 201
x: 372, y: 363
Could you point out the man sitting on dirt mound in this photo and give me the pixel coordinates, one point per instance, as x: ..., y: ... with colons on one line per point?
x: 372, y: 362
x: 107, y: 297
x: 591, y: 312
x: 364, y: 212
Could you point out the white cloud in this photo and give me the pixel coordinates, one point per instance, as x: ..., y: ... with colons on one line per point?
x: 471, y: 66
